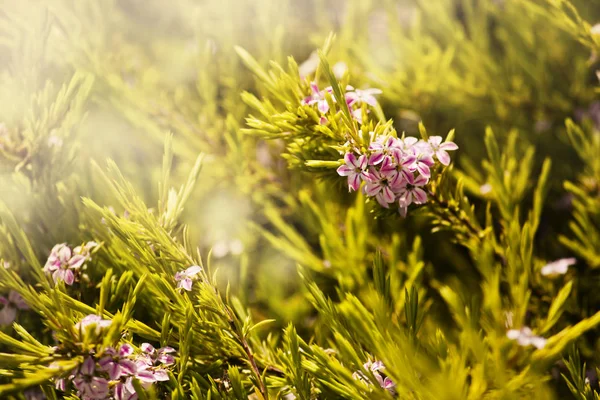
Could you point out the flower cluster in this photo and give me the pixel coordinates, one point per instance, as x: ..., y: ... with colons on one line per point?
x: 111, y: 375
x: 10, y: 306
x: 376, y: 368
x: 354, y: 99
x: 395, y: 170
x: 65, y: 264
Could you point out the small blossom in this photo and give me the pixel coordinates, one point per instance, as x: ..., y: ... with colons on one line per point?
x: 155, y: 360
x: 116, y: 363
x: 186, y: 278
x: 11, y: 305
x: 441, y: 149
x: 355, y: 169
x: 63, y: 263
x: 318, y: 97
x: 412, y: 193
x: 558, y: 267
x: 381, y: 183
x: 525, y: 337
x: 595, y: 30
x: 381, y: 148
x: 376, y: 367
x: 87, y: 384
x: 360, y: 96
x: 92, y: 320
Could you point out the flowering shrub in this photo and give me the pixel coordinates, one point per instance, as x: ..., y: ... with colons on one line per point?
x: 302, y: 200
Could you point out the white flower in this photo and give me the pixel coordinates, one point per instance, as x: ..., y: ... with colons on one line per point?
x: 595, y: 30
x: 558, y: 267
x: 525, y: 337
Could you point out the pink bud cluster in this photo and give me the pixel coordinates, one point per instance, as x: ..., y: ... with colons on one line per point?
x: 65, y: 264
x: 395, y: 170
x: 354, y: 99
x: 110, y: 376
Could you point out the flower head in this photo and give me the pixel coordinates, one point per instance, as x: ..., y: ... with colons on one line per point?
x: 412, y: 193
x: 186, y: 278
x: 381, y: 182
x: 441, y: 149
x: 116, y: 363
x: 355, y: 169
x: 376, y: 367
x: 88, y: 385
x: 359, y: 96
x: 63, y: 263
x: 318, y: 97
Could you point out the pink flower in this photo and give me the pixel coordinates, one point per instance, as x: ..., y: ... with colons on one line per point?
x: 406, y: 145
x: 116, y: 363
x: 155, y: 360
x: 422, y: 164
x: 317, y: 97
x: 412, y: 193
x: 63, y: 264
x: 186, y: 278
x: 382, y: 181
x: 381, y: 147
x: 405, y: 170
x: 360, y: 96
x: 440, y: 149
x: 14, y: 302
x: 162, y: 355
x: 354, y: 169
x: 87, y: 384
x: 376, y: 367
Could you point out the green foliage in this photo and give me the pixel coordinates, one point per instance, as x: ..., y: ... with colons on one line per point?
x: 153, y: 141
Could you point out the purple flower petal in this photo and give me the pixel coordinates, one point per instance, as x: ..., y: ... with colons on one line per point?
x: 388, y: 195
x: 343, y: 170
x: 161, y: 375
x: 419, y: 196
x: 147, y: 348
x: 443, y: 157
x: 376, y: 158
x: 448, y: 146
x: 351, y: 160
x: 371, y: 189
x: 69, y: 277
x: 88, y: 367
x: 323, y: 106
